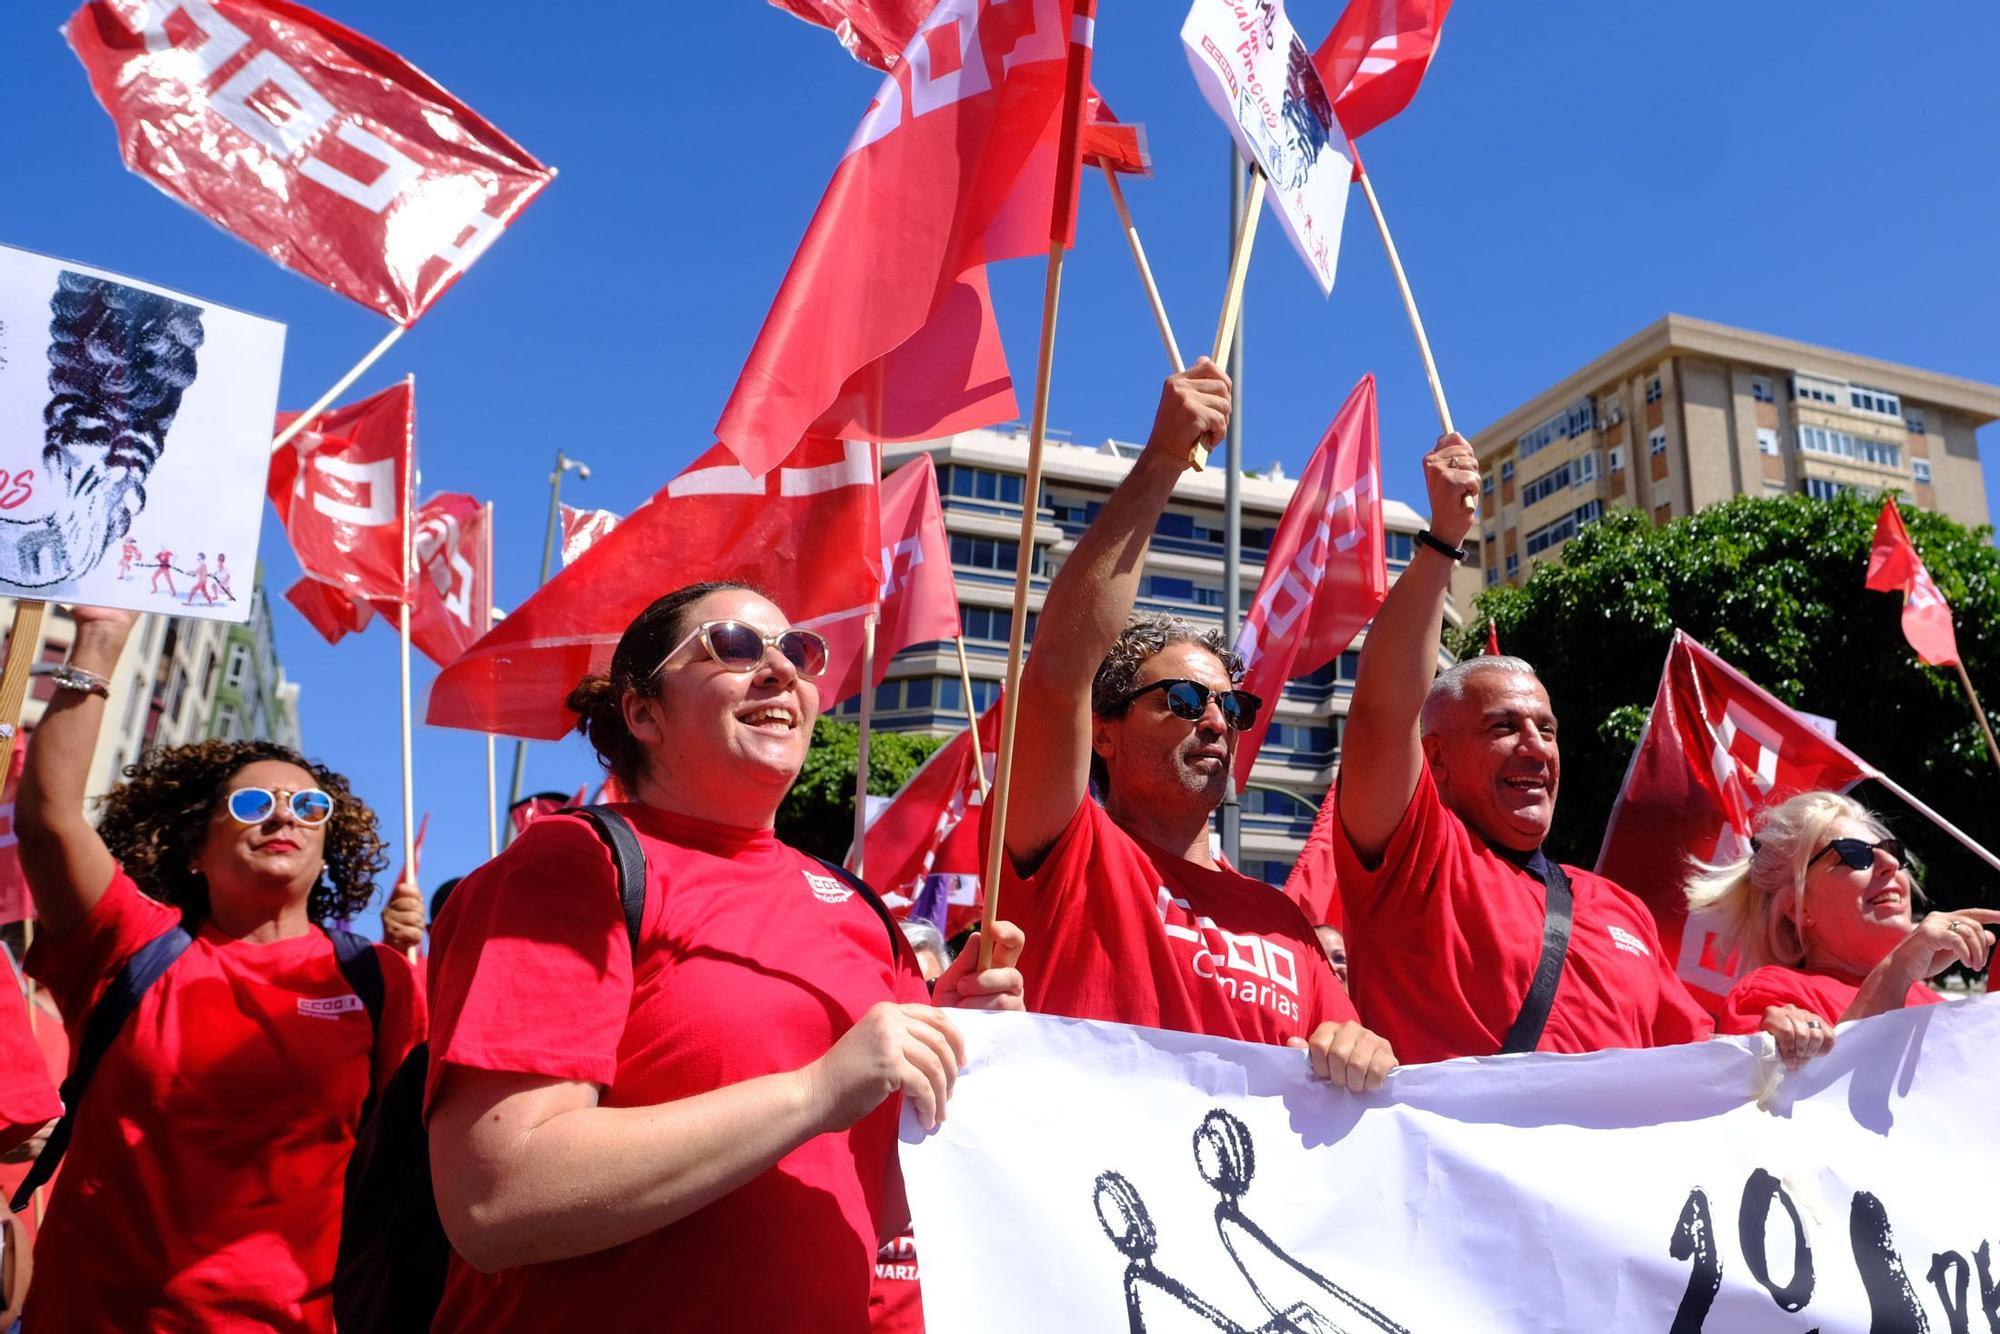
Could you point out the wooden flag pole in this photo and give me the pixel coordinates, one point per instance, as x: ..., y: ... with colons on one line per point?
x: 1145, y: 272
x: 971, y: 716
x: 409, y: 769
x: 492, y: 772
x: 1232, y: 296
x: 340, y: 387
x: 24, y: 647
x: 1992, y: 747
x: 856, y: 858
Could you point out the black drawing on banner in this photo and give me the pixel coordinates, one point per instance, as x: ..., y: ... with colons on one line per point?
x: 1307, y: 113
x: 1296, y: 1298
x: 119, y: 360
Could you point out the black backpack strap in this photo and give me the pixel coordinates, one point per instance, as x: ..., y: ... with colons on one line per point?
x: 627, y: 856
x: 107, y: 1019
x: 1534, y: 1016
x: 898, y: 943
x: 362, y: 967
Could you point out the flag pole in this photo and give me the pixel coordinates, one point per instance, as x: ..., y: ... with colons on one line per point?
x: 1082, y: 31
x: 1232, y: 297
x: 24, y: 646
x: 857, y: 859
x: 340, y: 387
x: 971, y: 714
x: 1992, y: 747
x: 492, y: 773
x: 1936, y: 819
x: 1145, y: 273
x: 403, y: 665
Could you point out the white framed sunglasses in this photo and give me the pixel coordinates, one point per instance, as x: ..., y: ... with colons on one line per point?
x: 738, y: 646
x: 254, y: 805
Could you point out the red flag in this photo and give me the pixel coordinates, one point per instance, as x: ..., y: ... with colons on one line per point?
x: 949, y: 170
x: 454, y: 580
x: 1376, y: 55
x: 15, y: 903
x: 1492, y: 638
x: 921, y: 849
x: 1325, y: 575
x: 580, y: 528
x: 409, y: 873
x: 1312, y: 884
x: 1895, y: 567
x: 919, y: 601
x: 532, y: 808
x: 1717, y: 750
x: 874, y: 32
x: 335, y: 614
x: 1111, y: 142
x: 806, y: 533
x: 342, y: 491
x: 330, y: 154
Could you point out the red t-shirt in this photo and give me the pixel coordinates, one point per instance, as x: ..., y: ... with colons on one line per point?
x: 753, y: 960
x: 1826, y: 994
x: 203, y: 1185
x: 896, y: 1302
x: 28, y: 1098
x: 1121, y: 931
x: 1443, y: 936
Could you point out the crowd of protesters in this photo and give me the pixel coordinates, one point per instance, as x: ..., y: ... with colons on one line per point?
x: 666, y: 1052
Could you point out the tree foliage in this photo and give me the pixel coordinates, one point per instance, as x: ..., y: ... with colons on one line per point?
x: 818, y: 814
x: 1775, y: 587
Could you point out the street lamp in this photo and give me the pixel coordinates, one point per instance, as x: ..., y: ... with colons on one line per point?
x: 564, y: 463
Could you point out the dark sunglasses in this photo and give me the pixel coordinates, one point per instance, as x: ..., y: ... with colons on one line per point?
x: 739, y: 647
x: 1188, y: 700
x: 254, y: 805
x: 1859, y: 853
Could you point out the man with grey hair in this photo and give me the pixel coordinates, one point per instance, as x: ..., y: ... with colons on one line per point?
x: 1467, y: 940
x: 1128, y: 915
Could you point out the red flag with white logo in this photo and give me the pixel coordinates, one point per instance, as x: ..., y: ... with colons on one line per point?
x: 15, y: 903
x: 953, y: 166
x: 806, y: 532
x: 329, y: 153
x: 580, y: 528
x: 329, y: 610
x: 1325, y: 575
x: 342, y: 491
x: 919, y: 601
x: 874, y: 32
x: 1717, y: 750
x: 1895, y: 567
x: 922, y: 849
x: 454, y: 582
x: 1376, y: 55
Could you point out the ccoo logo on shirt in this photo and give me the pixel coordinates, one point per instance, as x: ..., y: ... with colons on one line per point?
x: 827, y: 888
x: 329, y: 1007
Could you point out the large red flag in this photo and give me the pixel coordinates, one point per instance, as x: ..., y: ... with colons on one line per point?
x: 1325, y: 575
x: 807, y: 533
x: 1895, y: 567
x: 918, y: 600
x: 1376, y: 55
x: 15, y: 903
x: 330, y: 154
x: 1717, y: 750
x: 342, y: 490
x: 922, y: 851
x: 1313, y: 883
x: 953, y: 166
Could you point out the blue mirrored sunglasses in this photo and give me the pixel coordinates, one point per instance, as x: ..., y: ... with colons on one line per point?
x: 254, y: 805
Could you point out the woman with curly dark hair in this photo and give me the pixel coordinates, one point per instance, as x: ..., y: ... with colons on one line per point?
x: 203, y: 1179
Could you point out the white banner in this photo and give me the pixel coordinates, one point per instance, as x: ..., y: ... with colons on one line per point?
x: 135, y: 435
x: 1259, y: 78
x: 1097, y: 1177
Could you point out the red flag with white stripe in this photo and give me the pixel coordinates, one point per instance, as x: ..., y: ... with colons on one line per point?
x: 452, y: 557
x: 1325, y: 575
x: 580, y: 528
x: 806, y: 532
x: 919, y: 600
x: 342, y: 491
x: 329, y: 153
x: 1895, y: 567
x: 1376, y: 55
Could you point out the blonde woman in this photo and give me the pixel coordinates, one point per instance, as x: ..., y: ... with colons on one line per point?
x: 1822, y: 911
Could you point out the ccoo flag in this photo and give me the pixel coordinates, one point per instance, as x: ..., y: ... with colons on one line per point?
x: 1895, y: 567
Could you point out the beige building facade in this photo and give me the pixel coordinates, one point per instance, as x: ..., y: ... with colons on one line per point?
x: 1686, y: 413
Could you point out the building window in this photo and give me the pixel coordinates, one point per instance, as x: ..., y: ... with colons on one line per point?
x: 1653, y: 390
x: 1586, y: 468
x: 1920, y: 470
x: 1913, y: 422
x: 992, y: 624
x: 1819, y: 488
x: 1507, y: 470
x: 1760, y: 389
x: 1399, y: 547
x: 1616, y: 460
x: 1486, y: 484
x: 1843, y: 445
x: 239, y: 662
x: 176, y: 693
x: 1513, y: 564
x: 1294, y: 736
x: 1492, y: 576
x: 982, y: 484
x: 1562, y: 530
x: 1878, y: 401
x: 1546, y: 485
x: 1656, y: 441
x: 1280, y: 805
x: 1571, y: 422
x: 1815, y: 389
x: 984, y: 553
x: 1767, y: 441
x: 228, y: 727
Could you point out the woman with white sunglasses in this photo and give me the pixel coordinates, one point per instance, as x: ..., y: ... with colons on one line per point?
x: 1821, y: 909
x: 202, y: 1179
x: 694, y: 1130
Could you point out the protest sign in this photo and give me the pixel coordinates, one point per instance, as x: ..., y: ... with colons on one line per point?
x: 1259, y: 78
x: 1141, y: 1180
x: 135, y: 428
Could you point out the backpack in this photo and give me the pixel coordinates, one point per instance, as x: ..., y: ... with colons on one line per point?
x: 358, y: 962
x: 393, y: 1250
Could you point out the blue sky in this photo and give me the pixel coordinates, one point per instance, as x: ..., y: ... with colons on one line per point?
x: 1570, y: 172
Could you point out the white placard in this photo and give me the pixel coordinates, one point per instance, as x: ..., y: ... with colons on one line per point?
x: 135, y: 436
x: 1259, y: 78
x: 1098, y: 1177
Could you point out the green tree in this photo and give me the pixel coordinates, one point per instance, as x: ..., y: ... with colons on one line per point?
x: 1775, y: 587
x: 818, y: 813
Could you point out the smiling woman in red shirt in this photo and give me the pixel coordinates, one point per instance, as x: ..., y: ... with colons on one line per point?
x: 695, y: 1129
x: 203, y: 1179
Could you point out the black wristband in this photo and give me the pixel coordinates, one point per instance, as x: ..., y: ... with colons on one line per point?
x: 1442, y: 547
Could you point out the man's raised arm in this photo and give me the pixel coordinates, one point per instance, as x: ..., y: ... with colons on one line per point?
x: 1380, y: 754
x: 1088, y: 604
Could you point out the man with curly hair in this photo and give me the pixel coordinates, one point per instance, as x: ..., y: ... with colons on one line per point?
x: 203, y: 1180
x: 1128, y: 915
